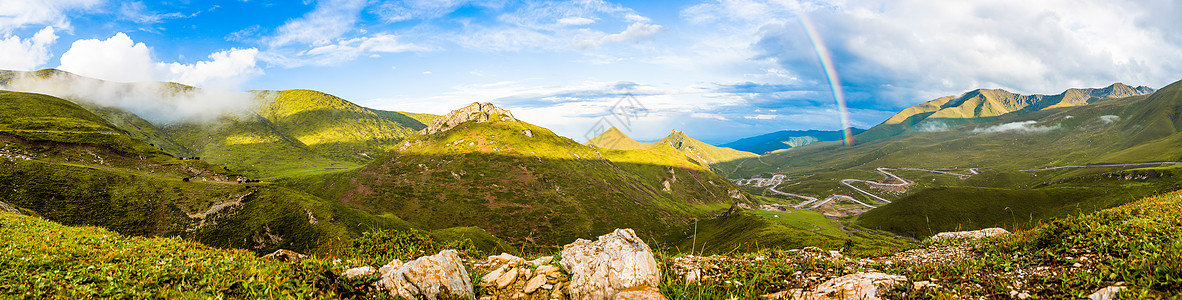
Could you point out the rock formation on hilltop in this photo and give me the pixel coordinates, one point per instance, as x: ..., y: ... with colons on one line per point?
x: 479, y: 112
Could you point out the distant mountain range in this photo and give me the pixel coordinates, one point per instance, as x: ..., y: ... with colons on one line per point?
x: 786, y: 139
x: 946, y: 111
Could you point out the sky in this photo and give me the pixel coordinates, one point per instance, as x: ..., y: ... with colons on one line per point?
x: 719, y: 70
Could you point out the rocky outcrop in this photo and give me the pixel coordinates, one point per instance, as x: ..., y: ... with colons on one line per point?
x: 859, y: 286
x: 285, y: 255
x: 439, y: 276
x: 515, y: 278
x: 477, y: 112
x: 975, y: 234
x: 614, y: 262
x: 4, y: 207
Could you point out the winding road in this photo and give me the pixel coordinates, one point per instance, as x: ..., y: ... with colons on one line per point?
x: 778, y: 179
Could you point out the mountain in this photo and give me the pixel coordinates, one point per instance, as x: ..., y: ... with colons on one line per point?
x: 785, y: 139
x: 702, y: 152
x: 1009, y: 151
x: 275, y: 134
x: 615, y: 139
x: 479, y: 166
x: 297, y: 132
x: 66, y: 164
x: 988, y: 103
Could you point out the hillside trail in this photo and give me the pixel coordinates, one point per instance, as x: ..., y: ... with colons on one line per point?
x: 899, y: 183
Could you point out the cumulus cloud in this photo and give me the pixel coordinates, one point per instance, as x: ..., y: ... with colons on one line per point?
x: 26, y: 54
x: 17, y: 13
x: 1021, y: 127
x: 117, y: 58
x: 1109, y: 119
x: 121, y: 59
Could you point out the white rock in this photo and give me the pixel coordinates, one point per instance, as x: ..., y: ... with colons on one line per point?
x: 534, y: 283
x: 393, y: 265
x: 505, y: 258
x: 540, y: 261
x: 491, y: 278
x: 429, y: 277
x: 359, y: 272
x: 548, y: 270
x: 614, y: 262
x: 1107, y: 293
x: 507, y: 278
x: 975, y: 234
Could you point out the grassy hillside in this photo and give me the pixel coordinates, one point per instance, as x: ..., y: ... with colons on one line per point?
x: 527, y: 185
x: 71, y: 166
x: 699, y: 151
x: 615, y: 139
x: 297, y: 132
x: 336, y: 128
x: 753, y: 231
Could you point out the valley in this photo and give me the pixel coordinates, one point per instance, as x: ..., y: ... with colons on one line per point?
x: 306, y: 171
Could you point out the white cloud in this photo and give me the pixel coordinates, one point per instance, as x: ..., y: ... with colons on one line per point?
x: 26, y: 54
x: 913, y: 50
x: 1021, y: 127
x: 117, y: 59
x: 346, y: 50
x: 1109, y: 119
x: 931, y: 126
x: 120, y: 59
x: 136, y: 11
x: 760, y: 117
x: 702, y: 115
x: 157, y: 103
x: 326, y: 23
x: 225, y: 69
x: 636, y: 31
x: 17, y: 13
x: 575, y: 21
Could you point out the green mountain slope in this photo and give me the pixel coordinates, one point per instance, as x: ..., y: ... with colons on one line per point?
x: 785, y: 139
x: 702, y: 152
x: 478, y: 166
x: 71, y: 166
x: 984, y: 104
x: 615, y: 139
x: 284, y: 133
x: 1106, y: 130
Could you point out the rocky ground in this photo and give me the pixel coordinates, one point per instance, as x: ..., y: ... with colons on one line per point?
x: 621, y: 266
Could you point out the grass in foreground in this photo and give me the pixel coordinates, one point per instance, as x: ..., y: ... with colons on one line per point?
x: 1135, y: 245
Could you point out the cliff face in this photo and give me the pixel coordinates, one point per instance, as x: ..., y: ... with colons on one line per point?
x: 478, y: 112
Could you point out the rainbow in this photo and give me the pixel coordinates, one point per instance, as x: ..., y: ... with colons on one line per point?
x: 831, y: 74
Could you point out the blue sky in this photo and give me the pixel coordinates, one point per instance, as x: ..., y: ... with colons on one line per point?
x: 718, y: 70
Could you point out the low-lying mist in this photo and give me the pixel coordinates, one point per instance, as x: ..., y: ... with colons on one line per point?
x: 157, y: 102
